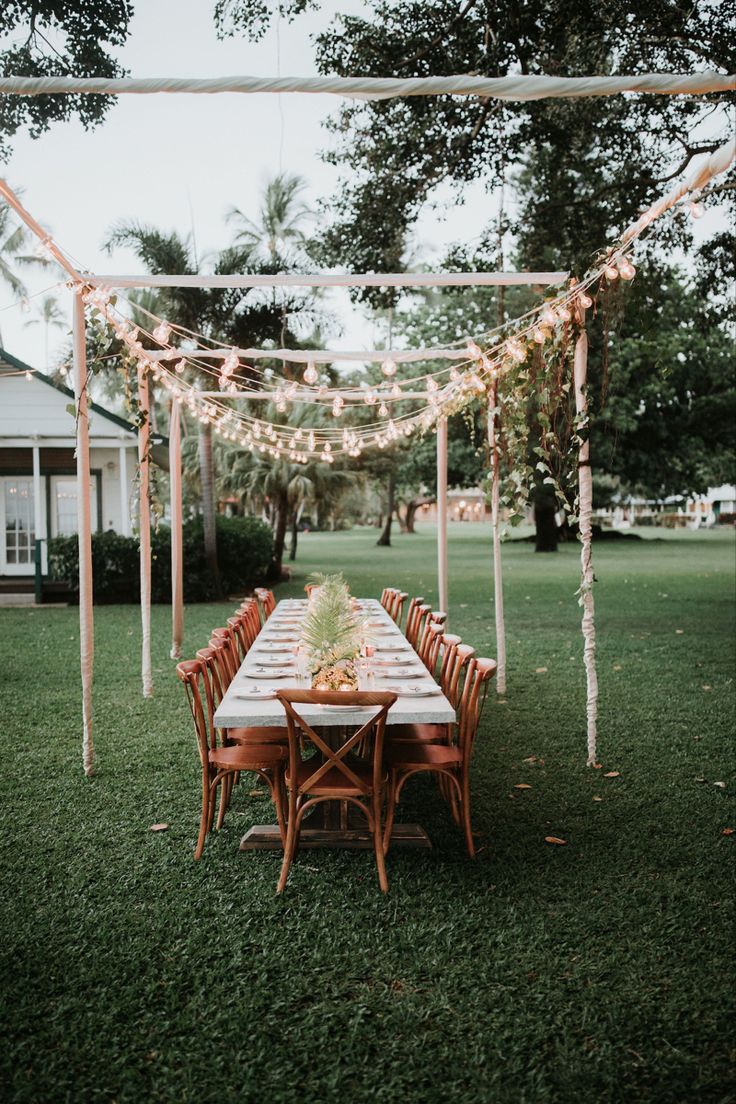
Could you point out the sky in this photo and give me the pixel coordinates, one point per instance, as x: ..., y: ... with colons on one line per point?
x: 180, y: 162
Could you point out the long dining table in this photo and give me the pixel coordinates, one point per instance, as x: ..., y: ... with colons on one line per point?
x: 271, y: 664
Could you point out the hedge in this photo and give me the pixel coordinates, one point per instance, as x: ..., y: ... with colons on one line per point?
x: 244, y: 552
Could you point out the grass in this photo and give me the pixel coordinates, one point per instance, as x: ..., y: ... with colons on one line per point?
x: 598, y: 971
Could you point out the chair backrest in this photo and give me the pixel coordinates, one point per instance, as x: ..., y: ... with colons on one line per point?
x: 237, y: 624
x: 226, y: 637
x: 431, y: 644
x: 217, y: 660
x: 450, y: 643
x: 195, y: 677
x: 249, y: 612
x: 398, y: 610
x: 387, y: 596
x: 438, y: 617
x: 462, y: 657
x: 478, y: 677
x: 266, y: 601
x: 370, y: 733
x: 411, y: 615
x: 421, y: 617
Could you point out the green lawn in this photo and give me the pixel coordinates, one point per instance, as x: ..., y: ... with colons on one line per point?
x: 598, y: 971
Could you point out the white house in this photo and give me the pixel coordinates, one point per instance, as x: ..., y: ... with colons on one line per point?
x: 38, y: 485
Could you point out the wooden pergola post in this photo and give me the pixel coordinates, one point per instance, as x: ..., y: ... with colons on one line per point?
x: 585, y: 495
x: 177, y: 551
x: 442, y: 514
x: 84, y: 527
x: 495, y: 522
x: 144, y: 528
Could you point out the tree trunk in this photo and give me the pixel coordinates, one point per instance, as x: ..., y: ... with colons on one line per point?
x: 279, y: 535
x: 401, y: 520
x: 545, y: 508
x: 385, y: 538
x: 411, y: 513
x: 207, y: 478
x: 294, y: 535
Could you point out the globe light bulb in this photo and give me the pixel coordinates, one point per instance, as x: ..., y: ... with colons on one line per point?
x: 610, y: 272
x: 548, y: 316
x: 388, y: 367
x: 383, y: 410
x: 626, y: 269
x: 311, y: 375
x: 585, y: 300
x: 162, y: 333
x: 564, y: 314
x: 697, y: 210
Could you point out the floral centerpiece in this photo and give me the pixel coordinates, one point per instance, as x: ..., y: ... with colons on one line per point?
x: 331, y: 635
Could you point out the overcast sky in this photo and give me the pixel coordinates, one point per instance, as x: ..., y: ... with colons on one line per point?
x: 182, y: 161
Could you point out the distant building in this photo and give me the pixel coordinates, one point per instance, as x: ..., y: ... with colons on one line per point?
x: 673, y: 512
x: 38, y: 484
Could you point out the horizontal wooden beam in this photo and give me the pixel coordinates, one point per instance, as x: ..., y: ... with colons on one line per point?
x: 355, y: 279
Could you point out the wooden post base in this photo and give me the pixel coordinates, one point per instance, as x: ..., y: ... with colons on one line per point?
x: 265, y: 837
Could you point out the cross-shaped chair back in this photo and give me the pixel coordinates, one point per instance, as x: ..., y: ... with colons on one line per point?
x: 266, y: 601
x: 225, y: 636
x: 429, y: 647
x: 369, y: 734
x: 411, y: 616
x: 194, y: 675
x: 477, y: 680
x: 421, y: 617
x: 462, y: 657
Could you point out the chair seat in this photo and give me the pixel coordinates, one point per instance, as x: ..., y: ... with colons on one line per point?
x: 248, y: 757
x: 412, y: 754
x: 333, y: 782
x: 422, y: 733
x: 269, y: 734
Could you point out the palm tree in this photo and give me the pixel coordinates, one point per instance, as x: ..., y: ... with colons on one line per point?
x: 279, y: 229
x: 13, y: 240
x: 49, y: 314
x: 238, y: 316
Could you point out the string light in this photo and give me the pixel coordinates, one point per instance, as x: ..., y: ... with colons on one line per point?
x: 626, y: 269
x: 310, y: 373
x: 696, y: 209
x: 610, y: 272
x: 388, y: 367
x: 162, y: 333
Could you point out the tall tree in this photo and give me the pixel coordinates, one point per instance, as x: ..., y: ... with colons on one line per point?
x: 58, y: 38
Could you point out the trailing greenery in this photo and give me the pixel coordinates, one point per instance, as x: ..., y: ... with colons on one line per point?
x: 596, y: 972
x: 245, y: 548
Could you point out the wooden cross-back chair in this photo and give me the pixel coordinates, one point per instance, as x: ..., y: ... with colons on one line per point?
x: 430, y: 644
x: 411, y: 616
x: 225, y: 636
x: 449, y: 760
x: 215, y: 656
x: 249, y: 613
x: 221, y: 762
x: 421, y: 617
x: 335, y: 774
x: 387, y: 597
x: 266, y: 602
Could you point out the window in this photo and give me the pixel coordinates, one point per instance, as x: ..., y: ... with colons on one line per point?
x: 64, y: 505
x: 19, y: 522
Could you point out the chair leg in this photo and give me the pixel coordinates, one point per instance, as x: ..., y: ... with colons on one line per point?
x: 277, y: 793
x: 206, y: 819
x: 465, y: 810
x: 378, y: 843
x: 390, y: 811
x: 290, y: 848
x: 226, y: 786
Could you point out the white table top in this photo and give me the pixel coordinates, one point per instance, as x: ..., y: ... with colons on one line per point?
x: 235, y: 710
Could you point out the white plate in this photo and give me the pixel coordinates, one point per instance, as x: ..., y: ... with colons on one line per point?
x: 415, y: 691
x: 395, y: 660
x: 403, y: 673
x: 393, y: 648
x: 264, y: 673
x: 257, y: 693
x: 279, y: 638
x: 344, y: 708
x: 383, y: 632
x: 273, y: 648
x: 275, y: 661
